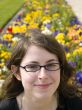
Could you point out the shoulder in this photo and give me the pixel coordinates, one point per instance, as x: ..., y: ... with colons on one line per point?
x: 8, y: 104
x: 74, y: 103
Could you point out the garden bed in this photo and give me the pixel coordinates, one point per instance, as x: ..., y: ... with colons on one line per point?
x: 50, y: 17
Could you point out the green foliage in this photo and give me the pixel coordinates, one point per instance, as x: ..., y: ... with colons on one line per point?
x: 7, y: 9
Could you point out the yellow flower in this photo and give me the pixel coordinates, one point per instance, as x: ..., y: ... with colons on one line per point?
x: 35, y: 4
x: 8, y: 54
x: 79, y: 50
x: 68, y: 55
x: 1, y: 65
x: 60, y: 36
x: 5, y: 54
x: 80, y: 37
x: 55, y: 15
x: 23, y: 28
x: 32, y: 25
x: 16, y: 29
x: 7, y: 37
x: 67, y: 44
x: 46, y: 21
x: 44, y: 18
x: 27, y: 18
x: 2, y: 54
x: 75, y: 52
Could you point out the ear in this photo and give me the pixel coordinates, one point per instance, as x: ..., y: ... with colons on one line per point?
x: 15, y: 72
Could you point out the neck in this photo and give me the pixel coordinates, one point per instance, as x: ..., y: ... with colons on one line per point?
x: 38, y: 104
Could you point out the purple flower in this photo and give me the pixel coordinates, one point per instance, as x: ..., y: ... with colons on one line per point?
x: 19, y: 17
x: 66, y: 49
x: 55, y: 32
x: 74, y: 20
x: 78, y: 77
x: 48, y: 25
x: 73, y: 64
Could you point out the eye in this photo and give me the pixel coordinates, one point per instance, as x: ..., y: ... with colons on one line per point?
x: 32, y: 67
x: 52, y: 65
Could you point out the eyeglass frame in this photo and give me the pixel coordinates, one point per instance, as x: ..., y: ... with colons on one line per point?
x: 40, y: 66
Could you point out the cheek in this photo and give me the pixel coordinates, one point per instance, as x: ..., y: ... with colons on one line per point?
x: 27, y: 80
x: 56, y: 76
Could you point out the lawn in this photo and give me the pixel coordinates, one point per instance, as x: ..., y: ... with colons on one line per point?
x: 8, y: 8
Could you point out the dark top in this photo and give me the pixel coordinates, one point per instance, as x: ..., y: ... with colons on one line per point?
x: 66, y: 104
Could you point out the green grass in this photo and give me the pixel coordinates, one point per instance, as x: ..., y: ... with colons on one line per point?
x: 7, y: 9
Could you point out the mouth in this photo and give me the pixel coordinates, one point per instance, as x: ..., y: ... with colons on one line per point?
x: 43, y: 85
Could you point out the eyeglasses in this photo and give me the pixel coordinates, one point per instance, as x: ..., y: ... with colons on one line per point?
x: 35, y: 67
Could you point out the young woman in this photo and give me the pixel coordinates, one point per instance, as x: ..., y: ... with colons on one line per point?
x: 39, y: 77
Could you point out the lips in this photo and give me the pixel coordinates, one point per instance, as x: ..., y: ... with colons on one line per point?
x: 43, y: 85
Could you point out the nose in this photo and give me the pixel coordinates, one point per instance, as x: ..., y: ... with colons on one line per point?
x: 43, y: 74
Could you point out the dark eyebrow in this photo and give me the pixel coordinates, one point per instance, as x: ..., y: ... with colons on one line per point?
x: 49, y: 61
x: 34, y: 62
x: 52, y: 60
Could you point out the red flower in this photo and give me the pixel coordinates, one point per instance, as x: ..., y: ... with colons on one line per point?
x: 9, y: 29
x: 0, y: 30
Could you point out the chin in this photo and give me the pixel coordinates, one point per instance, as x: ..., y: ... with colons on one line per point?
x: 44, y: 95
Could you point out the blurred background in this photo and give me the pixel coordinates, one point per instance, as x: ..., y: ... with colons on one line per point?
x: 62, y: 18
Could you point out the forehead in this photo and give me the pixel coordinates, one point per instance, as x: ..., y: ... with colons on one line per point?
x: 35, y: 53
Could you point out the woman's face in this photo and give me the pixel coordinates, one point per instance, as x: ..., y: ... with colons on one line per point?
x: 41, y: 83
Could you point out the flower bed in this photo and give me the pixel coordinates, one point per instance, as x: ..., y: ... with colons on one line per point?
x: 51, y: 17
